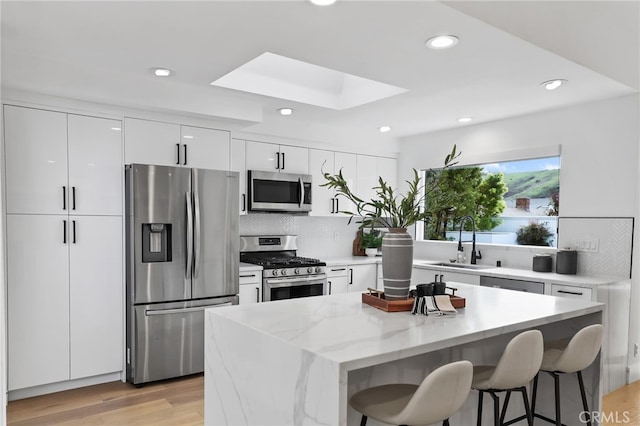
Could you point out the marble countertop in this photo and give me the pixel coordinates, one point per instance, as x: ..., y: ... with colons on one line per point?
x: 342, y: 329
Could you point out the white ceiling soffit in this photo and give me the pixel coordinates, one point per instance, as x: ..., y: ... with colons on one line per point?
x: 286, y: 78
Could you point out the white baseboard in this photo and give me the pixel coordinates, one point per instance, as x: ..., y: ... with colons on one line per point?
x: 62, y: 386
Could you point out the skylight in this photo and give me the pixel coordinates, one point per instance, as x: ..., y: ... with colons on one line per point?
x: 285, y: 78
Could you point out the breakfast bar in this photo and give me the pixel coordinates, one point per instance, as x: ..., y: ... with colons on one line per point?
x: 298, y: 361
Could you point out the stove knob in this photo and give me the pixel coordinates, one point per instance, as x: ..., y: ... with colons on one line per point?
x: 310, y: 270
x: 296, y: 271
x: 318, y: 269
x: 275, y: 272
x: 283, y: 272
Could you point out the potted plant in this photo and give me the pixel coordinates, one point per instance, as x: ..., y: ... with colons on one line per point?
x: 396, y: 212
x: 371, y: 241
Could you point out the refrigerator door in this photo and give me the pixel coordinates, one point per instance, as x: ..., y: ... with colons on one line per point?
x: 159, y: 241
x: 168, y: 339
x: 216, y: 243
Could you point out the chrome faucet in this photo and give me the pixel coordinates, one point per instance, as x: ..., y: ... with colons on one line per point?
x: 474, y: 256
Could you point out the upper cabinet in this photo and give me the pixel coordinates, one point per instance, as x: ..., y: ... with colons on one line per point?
x: 58, y: 163
x: 325, y: 200
x: 277, y: 158
x: 167, y: 144
x: 369, y: 170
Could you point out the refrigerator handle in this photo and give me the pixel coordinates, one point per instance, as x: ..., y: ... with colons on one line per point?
x: 178, y: 154
x: 189, y: 235
x: 196, y: 234
x: 301, y: 192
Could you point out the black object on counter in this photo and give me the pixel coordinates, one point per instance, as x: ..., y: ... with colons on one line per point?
x: 542, y: 263
x: 499, y: 263
x: 566, y: 262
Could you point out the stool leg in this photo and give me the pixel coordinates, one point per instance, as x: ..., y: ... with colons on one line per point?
x: 496, y: 408
x: 363, y: 420
x: 533, y: 396
x: 446, y: 422
x: 479, y: 420
x: 556, y: 385
x: 527, y: 409
x: 584, y: 397
x: 504, y: 406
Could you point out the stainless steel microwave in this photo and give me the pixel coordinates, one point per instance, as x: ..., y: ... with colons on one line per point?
x: 278, y: 192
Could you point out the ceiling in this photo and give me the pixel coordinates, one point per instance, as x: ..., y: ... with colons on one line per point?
x: 102, y: 52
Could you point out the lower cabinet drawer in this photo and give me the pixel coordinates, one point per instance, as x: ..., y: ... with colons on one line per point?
x: 250, y: 277
x: 570, y: 291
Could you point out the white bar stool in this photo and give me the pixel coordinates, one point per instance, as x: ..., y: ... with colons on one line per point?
x: 439, y: 396
x: 518, y: 364
x: 569, y: 356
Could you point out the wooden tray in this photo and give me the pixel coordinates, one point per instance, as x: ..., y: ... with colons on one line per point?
x: 377, y: 300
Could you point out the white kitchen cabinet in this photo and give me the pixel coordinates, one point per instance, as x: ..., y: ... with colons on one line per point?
x: 237, y: 164
x: 388, y: 170
x: 366, y: 177
x: 347, y: 163
x: 571, y: 291
x: 337, y: 279
x: 362, y: 277
x: 95, y: 295
x: 37, y: 300
x: 324, y: 201
x: 276, y: 158
x: 250, y: 287
x: 65, y: 315
x: 60, y: 163
x: 168, y: 144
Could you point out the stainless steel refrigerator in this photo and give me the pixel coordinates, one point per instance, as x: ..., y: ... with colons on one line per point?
x: 182, y: 257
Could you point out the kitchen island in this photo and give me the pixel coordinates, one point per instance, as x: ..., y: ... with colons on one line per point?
x: 298, y: 361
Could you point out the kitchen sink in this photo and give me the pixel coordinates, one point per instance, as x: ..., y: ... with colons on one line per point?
x: 461, y: 265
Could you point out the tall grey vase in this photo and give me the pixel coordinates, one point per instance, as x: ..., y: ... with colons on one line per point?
x: 397, y: 261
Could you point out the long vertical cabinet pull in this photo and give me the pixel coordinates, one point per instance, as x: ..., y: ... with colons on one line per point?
x: 64, y: 198
x: 282, y: 161
x: 185, y: 154
x: 64, y: 232
x: 329, y: 282
x: 350, y: 275
x: 257, y: 294
x: 277, y: 161
x: 73, y: 197
x: 178, y: 154
x: 244, y: 202
x: 73, y: 228
x: 333, y: 205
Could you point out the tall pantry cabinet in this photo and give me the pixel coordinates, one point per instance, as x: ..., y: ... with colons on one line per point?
x: 63, y: 175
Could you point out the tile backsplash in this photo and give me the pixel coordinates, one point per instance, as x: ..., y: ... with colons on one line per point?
x: 318, y: 237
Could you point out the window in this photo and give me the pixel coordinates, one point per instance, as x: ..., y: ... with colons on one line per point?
x: 512, y: 202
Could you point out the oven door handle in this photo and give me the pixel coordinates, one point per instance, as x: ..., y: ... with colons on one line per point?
x: 304, y: 280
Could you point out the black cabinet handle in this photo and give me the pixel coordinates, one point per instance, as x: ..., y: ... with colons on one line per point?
x: 64, y: 232
x: 73, y: 226
x: 244, y: 202
x: 337, y: 205
x: 283, y: 161
x: 329, y: 282
x: 277, y: 161
x: 257, y: 294
x: 185, y: 154
x: 64, y: 198
x: 350, y: 276
x: 73, y: 197
x: 333, y: 205
x: 178, y: 153
x: 575, y: 293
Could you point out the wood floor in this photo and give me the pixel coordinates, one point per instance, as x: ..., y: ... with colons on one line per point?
x: 180, y: 402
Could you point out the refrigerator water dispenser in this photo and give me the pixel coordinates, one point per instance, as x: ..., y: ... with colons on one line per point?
x: 156, y: 242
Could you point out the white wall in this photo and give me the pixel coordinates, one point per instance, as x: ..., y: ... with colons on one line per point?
x: 599, y: 173
x: 3, y: 306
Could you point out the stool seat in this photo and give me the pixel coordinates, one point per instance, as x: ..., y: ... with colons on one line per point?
x: 440, y: 395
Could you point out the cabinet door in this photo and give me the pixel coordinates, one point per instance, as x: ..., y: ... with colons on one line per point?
x: 348, y: 164
x: 294, y: 159
x: 337, y: 279
x: 36, y: 160
x: 37, y: 300
x: 238, y: 165
x: 152, y: 142
x: 205, y: 148
x: 388, y: 170
x: 362, y: 277
x: 262, y: 156
x: 96, y: 295
x: 95, y: 166
x: 323, y: 202
x: 366, y: 176
x: 250, y: 293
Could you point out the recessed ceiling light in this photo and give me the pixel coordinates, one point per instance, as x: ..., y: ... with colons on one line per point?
x: 323, y: 2
x: 161, y: 72
x: 116, y: 128
x: 442, y: 42
x: 188, y: 137
x: 465, y: 119
x: 285, y: 111
x: 384, y: 129
x: 553, y: 84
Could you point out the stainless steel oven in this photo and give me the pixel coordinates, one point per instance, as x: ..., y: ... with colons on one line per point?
x: 285, y: 275
x: 278, y: 192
